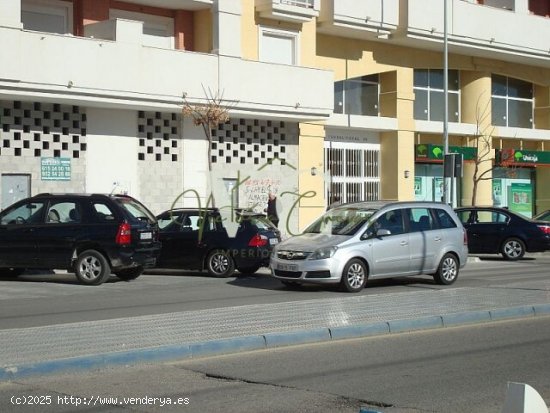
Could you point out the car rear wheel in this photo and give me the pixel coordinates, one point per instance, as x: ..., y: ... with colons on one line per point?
x: 248, y: 270
x: 92, y: 268
x: 130, y: 273
x: 513, y: 249
x: 11, y: 272
x: 447, y: 272
x: 220, y: 264
x: 354, y: 277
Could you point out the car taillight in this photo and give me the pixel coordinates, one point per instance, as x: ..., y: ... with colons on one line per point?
x: 545, y: 229
x: 124, y: 234
x: 465, y: 237
x: 258, y: 241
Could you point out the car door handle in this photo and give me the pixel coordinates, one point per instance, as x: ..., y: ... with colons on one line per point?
x: 437, y: 239
x: 403, y: 243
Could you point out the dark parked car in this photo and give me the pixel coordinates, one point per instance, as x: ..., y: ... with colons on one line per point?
x: 543, y: 216
x: 93, y: 235
x: 495, y: 230
x: 197, y: 239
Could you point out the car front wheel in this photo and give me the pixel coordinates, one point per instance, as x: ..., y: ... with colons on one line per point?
x: 354, y: 277
x: 92, y: 268
x: 447, y: 272
x: 513, y: 249
x: 220, y: 264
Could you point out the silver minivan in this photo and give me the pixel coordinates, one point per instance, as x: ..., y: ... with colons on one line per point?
x: 353, y: 243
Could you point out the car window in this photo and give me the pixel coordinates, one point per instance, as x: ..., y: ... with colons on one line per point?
x: 171, y: 221
x: 28, y: 213
x: 63, y: 212
x: 103, y: 212
x: 490, y: 217
x: 420, y: 219
x: 341, y: 221
x: 445, y: 220
x: 466, y: 216
x: 136, y: 209
x: 392, y: 221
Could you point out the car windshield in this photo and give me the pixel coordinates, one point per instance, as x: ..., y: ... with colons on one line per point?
x: 341, y: 221
x: 136, y: 210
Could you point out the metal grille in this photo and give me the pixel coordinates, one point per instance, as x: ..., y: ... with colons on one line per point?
x: 354, y: 174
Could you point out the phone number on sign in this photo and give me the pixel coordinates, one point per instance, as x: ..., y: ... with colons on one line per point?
x: 99, y: 401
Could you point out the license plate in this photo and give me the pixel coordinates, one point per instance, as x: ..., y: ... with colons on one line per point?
x: 146, y: 235
x: 273, y: 241
x: 287, y: 267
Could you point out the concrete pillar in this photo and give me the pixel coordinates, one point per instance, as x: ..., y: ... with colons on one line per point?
x: 397, y: 148
x: 521, y: 6
x: 542, y: 202
x: 226, y: 28
x: 10, y: 13
x: 196, y: 176
x: 476, y: 109
x: 542, y: 107
x: 311, y: 187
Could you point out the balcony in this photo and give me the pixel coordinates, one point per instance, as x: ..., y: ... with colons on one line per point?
x: 118, y: 71
x: 478, y: 30
x: 295, y: 11
x: 366, y: 19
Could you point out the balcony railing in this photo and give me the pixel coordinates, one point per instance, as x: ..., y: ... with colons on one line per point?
x: 295, y: 11
x: 308, y: 4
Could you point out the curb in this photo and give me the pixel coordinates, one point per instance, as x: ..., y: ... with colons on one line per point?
x: 267, y: 341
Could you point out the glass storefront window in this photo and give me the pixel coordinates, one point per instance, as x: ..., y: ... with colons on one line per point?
x: 429, y: 99
x: 357, y: 96
x: 512, y: 102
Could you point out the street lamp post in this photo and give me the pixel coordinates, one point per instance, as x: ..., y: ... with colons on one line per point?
x: 447, y: 194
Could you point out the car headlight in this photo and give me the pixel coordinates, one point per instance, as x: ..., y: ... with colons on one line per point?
x: 323, y: 253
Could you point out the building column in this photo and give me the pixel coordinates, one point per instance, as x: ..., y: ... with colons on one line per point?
x: 311, y: 181
x: 542, y: 108
x: 521, y: 6
x: 476, y: 109
x: 10, y: 14
x: 196, y: 179
x: 226, y: 28
x: 397, y: 148
x: 542, y: 202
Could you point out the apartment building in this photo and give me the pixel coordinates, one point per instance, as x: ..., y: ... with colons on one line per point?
x: 327, y: 99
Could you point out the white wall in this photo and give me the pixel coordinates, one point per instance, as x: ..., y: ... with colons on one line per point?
x: 112, y: 152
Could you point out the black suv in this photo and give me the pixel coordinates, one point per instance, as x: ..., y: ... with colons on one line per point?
x: 93, y: 235
x: 201, y: 239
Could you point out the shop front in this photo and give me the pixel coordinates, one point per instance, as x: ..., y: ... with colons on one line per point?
x: 520, y: 180
x: 428, y: 176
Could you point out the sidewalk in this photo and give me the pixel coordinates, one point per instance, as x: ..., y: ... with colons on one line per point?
x: 78, y: 346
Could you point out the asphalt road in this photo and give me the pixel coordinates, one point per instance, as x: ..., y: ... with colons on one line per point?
x: 45, y: 299
x: 464, y: 369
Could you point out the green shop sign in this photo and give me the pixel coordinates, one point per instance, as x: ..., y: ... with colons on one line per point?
x: 521, y: 157
x: 434, y: 153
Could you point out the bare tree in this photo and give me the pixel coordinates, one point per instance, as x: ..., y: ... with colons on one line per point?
x: 209, y: 115
x: 484, y: 155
